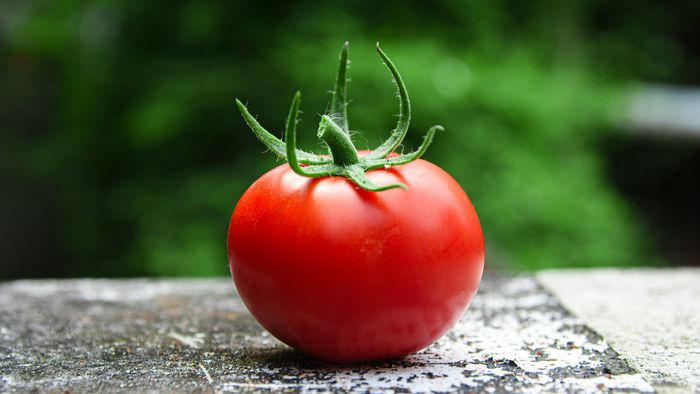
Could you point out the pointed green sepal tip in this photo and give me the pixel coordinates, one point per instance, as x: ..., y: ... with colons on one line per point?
x: 333, y: 130
x: 239, y: 104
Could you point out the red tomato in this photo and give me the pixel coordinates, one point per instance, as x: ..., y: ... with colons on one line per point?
x: 347, y: 274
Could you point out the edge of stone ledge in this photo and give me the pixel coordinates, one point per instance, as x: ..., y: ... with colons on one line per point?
x: 618, y: 303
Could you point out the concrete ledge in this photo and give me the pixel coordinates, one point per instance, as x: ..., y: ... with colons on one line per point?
x: 650, y: 316
x: 195, y: 335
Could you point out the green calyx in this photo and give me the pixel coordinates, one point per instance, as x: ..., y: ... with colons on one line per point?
x: 333, y: 131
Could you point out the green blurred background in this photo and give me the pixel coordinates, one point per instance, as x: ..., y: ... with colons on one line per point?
x: 122, y: 152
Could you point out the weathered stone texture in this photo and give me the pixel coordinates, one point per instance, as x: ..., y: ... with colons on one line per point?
x: 651, y: 316
x: 194, y: 335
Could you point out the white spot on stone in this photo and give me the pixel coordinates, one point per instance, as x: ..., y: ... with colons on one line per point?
x: 196, y: 341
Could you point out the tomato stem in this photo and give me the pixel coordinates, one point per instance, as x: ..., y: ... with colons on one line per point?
x: 342, y: 149
x: 333, y: 130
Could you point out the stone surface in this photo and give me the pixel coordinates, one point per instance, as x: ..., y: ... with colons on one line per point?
x: 651, y: 316
x: 195, y: 335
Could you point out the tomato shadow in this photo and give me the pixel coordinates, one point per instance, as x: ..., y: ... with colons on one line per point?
x: 287, y: 358
x: 283, y: 358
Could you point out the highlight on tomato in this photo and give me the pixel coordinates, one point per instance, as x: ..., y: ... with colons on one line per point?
x: 354, y: 255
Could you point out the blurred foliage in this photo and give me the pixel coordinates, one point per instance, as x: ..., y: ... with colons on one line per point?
x: 125, y: 154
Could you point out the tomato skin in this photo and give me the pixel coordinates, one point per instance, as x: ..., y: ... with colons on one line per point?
x: 346, y: 274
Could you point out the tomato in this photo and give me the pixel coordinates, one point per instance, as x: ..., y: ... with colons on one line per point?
x: 346, y: 270
x: 347, y: 274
